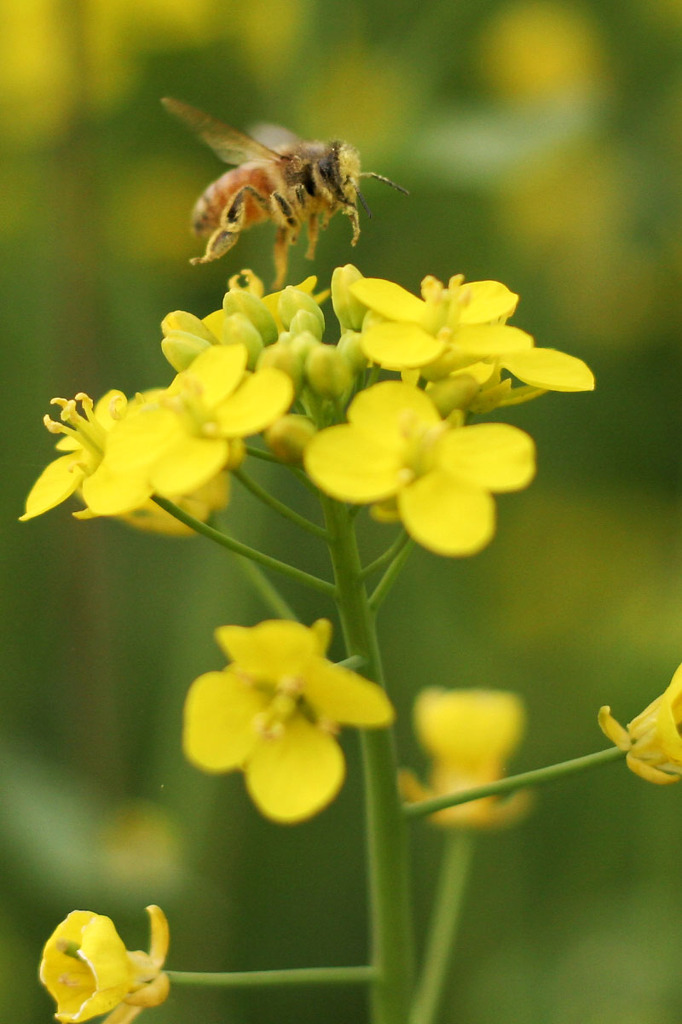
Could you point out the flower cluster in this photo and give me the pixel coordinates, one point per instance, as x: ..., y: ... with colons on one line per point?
x: 404, y: 445
x: 274, y: 712
x: 88, y: 971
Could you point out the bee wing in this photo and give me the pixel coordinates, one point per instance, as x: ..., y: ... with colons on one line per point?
x: 232, y: 146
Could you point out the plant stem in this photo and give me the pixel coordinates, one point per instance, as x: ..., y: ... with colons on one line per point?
x: 278, y: 506
x: 447, y: 905
x: 390, y: 916
x: 267, y: 979
x: 390, y: 576
x: 237, y: 548
x: 538, y: 776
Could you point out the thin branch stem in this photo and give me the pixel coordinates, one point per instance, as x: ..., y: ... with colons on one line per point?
x: 446, y: 915
x: 278, y: 506
x: 384, y: 585
x: 387, y: 556
x: 237, y: 548
x: 539, y: 776
x: 269, y: 979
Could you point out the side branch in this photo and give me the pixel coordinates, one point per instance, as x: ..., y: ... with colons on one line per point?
x: 269, y: 979
x: 537, y: 777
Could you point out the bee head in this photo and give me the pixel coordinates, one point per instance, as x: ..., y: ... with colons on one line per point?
x: 340, y: 170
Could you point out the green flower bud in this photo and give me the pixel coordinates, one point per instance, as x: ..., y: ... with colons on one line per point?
x: 187, y: 323
x: 327, y: 371
x: 303, y: 343
x: 291, y: 301
x: 288, y: 436
x: 283, y: 357
x: 350, y: 347
x: 239, y: 301
x: 238, y: 330
x: 181, y: 348
x: 349, y: 311
x: 304, y: 320
x: 453, y: 393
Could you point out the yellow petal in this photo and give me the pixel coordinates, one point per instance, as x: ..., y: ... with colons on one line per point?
x: 270, y: 650
x: 114, y: 494
x: 55, y: 484
x: 380, y: 410
x: 400, y: 345
x: 295, y: 775
x: 350, y: 466
x: 218, y: 731
x: 189, y: 465
x: 447, y: 517
x: 549, y: 369
x: 160, y: 935
x: 388, y: 299
x: 469, y: 728
x: 490, y: 301
x: 141, y: 438
x: 216, y: 373
x: 258, y: 402
x: 670, y: 718
x: 613, y: 730
x: 490, y: 455
x: 343, y: 696
x: 491, y: 339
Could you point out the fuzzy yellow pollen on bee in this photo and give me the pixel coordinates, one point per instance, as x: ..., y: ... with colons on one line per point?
x: 296, y: 183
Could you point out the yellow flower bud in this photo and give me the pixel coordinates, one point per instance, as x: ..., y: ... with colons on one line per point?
x: 350, y: 347
x: 453, y: 393
x: 327, y: 371
x: 187, y: 323
x: 282, y: 356
x: 181, y: 348
x: 288, y: 437
x: 350, y: 312
x: 304, y: 320
x: 240, y: 301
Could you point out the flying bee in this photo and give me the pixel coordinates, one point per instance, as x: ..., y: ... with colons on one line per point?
x: 293, y: 184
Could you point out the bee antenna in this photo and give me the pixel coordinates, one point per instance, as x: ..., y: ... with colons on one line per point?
x: 386, y: 181
x: 364, y: 204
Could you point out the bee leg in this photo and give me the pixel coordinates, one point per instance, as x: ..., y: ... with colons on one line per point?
x: 284, y: 215
x: 352, y: 213
x: 282, y: 243
x: 313, y: 232
x: 232, y: 222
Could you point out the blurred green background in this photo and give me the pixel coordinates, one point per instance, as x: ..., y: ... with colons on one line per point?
x: 542, y: 146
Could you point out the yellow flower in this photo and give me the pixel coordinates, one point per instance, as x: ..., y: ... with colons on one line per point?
x: 469, y: 734
x: 462, y: 328
x: 653, y: 739
x: 193, y: 429
x: 397, y: 454
x: 274, y: 711
x: 88, y: 971
x: 83, y: 469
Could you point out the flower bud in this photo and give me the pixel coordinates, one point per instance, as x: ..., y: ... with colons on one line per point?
x: 282, y: 356
x: 304, y: 320
x: 238, y: 330
x: 181, y: 348
x: 291, y: 301
x: 304, y: 343
x: 240, y: 301
x: 350, y: 347
x: 327, y: 371
x: 350, y: 312
x: 453, y: 393
x: 186, y: 323
x: 288, y: 436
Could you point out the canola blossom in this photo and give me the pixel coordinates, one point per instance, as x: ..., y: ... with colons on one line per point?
x: 397, y: 454
x: 274, y: 711
x: 88, y: 971
x: 469, y: 736
x: 652, y: 740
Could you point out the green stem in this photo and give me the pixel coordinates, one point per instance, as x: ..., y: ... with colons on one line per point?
x: 237, y: 548
x: 447, y: 905
x: 384, y: 585
x: 268, y: 979
x: 537, y: 777
x: 278, y: 506
x: 390, y: 916
x: 388, y: 555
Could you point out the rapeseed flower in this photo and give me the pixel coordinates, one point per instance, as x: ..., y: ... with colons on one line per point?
x: 83, y: 468
x: 397, y: 454
x: 469, y: 735
x: 192, y: 431
x: 458, y: 329
x: 652, y: 740
x: 88, y: 971
x: 273, y: 712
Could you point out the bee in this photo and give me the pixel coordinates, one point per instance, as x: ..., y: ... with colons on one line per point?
x: 293, y: 184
